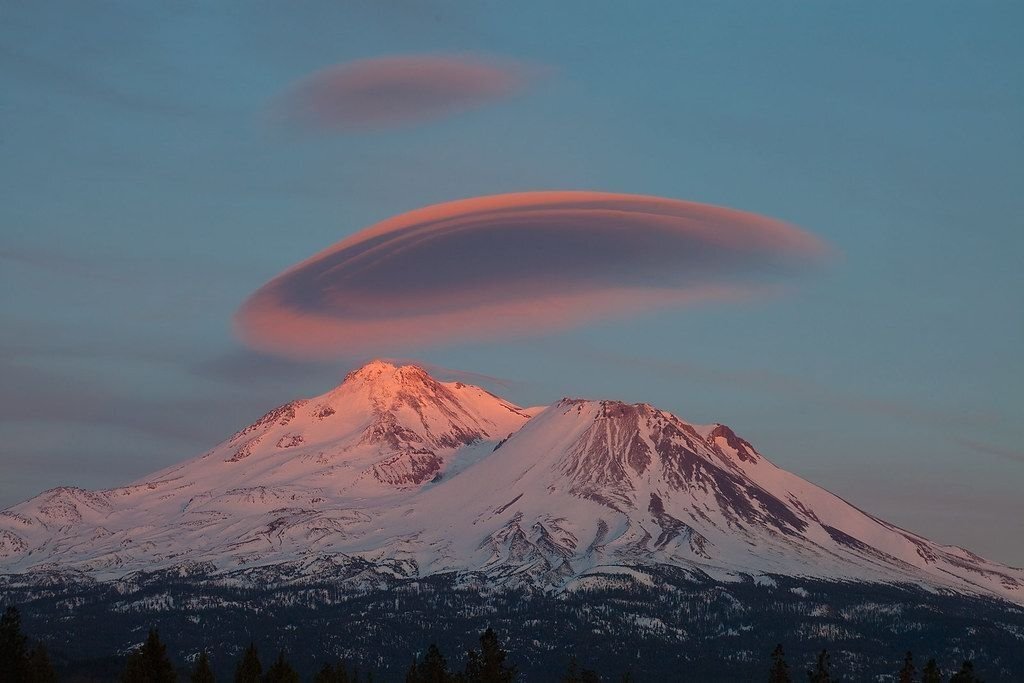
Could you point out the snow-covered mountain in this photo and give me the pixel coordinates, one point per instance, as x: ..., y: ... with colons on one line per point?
x: 415, y: 477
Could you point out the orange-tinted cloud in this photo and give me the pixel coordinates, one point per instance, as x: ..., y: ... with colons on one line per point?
x: 396, y: 91
x: 516, y: 264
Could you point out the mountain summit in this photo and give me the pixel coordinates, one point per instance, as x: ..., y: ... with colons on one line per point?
x: 396, y: 470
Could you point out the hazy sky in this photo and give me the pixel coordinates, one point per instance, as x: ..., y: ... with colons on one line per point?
x: 158, y: 164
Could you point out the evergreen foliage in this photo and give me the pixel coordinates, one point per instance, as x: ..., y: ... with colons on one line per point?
x: 13, y: 646
x: 574, y: 673
x: 965, y: 674
x: 150, y: 663
x: 281, y: 671
x: 488, y: 665
x: 908, y: 673
x: 931, y: 672
x: 39, y: 668
x: 433, y: 668
x: 821, y: 673
x: 780, y: 670
x: 201, y: 672
x: 249, y: 669
x: 19, y: 663
x: 330, y: 673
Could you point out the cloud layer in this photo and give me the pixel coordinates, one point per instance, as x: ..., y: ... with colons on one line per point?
x: 515, y: 264
x: 396, y: 91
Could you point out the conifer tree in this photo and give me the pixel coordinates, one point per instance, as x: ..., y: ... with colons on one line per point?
x: 150, y: 663
x: 13, y: 646
x: 281, y: 671
x: 433, y: 668
x: 965, y: 674
x: 908, y: 673
x: 488, y: 665
x: 38, y: 666
x: 201, y: 672
x: 249, y: 669
x: 577, y: 674
x: 821, y: 674
x: 331, y: 674
x: 931, y: 672
x: 412, y: 675
x: 780, y: 670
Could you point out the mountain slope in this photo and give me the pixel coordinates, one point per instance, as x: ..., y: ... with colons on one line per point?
x: 418, y: 477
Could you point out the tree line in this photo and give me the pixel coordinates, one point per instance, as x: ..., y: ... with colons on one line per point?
x: 150, y: 663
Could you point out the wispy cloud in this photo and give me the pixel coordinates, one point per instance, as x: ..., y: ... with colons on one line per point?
x: 781, y: 384
x: 991, y: 449
x: 397, y: 91
x: 82, y: 84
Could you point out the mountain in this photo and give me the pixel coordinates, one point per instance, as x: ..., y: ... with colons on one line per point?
x: 415, y: 477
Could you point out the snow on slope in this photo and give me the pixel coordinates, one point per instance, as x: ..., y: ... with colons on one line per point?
x: 421, y: 476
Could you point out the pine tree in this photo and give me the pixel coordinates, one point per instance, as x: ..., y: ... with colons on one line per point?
x: 821, y: 672
x: 150, y: 663
x: 202, y: 673
x: 577, y: 674
x: 249, y: 669
x: 433, y: 668
x: 908, y: 673
x: 780, y: 670
x: 412, y: 675
x: 488, y: 665
x: 331, y: 674
x: 931, y: 673
x: 13, y: 646
x: 572, y: 673
x: 38, y: 667
x: 281, y: 671
x: 965, y: 674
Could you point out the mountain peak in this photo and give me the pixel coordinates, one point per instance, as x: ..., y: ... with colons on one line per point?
x: 379, y: 370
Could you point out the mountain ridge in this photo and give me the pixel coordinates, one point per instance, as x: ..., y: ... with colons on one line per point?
x: 423, y: 477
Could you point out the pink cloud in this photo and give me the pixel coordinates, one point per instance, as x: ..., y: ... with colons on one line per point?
x: 514, y: 265
x: 396, y: 91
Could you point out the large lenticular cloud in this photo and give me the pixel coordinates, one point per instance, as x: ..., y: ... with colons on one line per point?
x: 395, y: 91
x: 515, y: 264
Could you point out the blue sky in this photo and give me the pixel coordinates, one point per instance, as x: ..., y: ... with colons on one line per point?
x: 146, y: 191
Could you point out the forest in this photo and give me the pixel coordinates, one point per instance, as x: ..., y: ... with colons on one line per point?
x: 25, y: 661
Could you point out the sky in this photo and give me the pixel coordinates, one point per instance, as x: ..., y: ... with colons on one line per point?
x: 160, y: 164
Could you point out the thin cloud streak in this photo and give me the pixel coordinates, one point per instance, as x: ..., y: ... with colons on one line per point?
x: 516, y: 265
x: 990, y: 449
x: 810, y: 392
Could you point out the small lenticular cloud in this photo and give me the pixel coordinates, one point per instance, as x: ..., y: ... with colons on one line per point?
x: 513, y: 265
x: 396, y: 91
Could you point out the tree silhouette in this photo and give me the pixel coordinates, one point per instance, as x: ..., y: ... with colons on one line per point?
x: 433, y: 668
x: 780, y: 670
x: 931, y: 673
x: 201, y: 672
x: 908, y: 673
x: 249, y: 669
x: 38, y: 666
x: 577, y: 674
x: 13, y: 646
x: 821, y: 671
x: 150, y: 663
x: 965, y: 674
x: 332, y: 674
x: 281, y: 671
x: 488, y: 665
